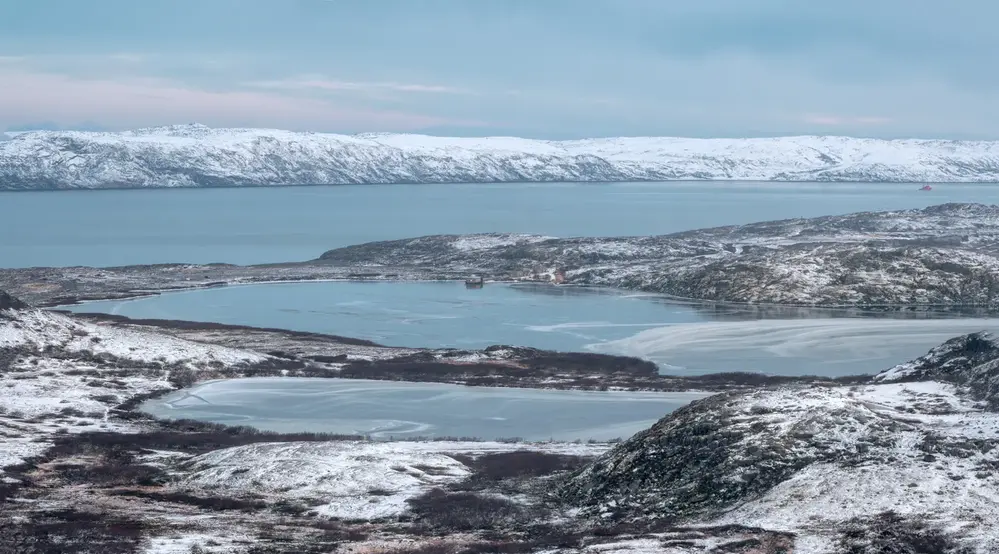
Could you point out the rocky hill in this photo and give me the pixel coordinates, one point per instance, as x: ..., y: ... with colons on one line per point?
x: 918, y: 446
x: 199, y: 156
x: 941, y: 255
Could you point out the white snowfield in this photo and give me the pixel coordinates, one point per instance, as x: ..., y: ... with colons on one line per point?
x: 199, y: 156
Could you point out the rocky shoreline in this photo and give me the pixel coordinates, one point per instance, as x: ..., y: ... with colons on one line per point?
x: 945, y: 256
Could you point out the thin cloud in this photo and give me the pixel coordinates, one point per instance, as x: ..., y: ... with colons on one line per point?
x: 836, y: 120
x: 139, y: 102
x: 318, y: 83
x: 127, y: 57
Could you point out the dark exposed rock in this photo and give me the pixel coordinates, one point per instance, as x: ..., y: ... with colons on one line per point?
x: 8, y: 302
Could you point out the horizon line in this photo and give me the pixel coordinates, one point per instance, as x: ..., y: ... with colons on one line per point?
x: 195, y: 125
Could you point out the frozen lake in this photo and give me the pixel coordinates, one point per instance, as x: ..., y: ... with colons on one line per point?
x: 682, y: 338
x: 385, y: 410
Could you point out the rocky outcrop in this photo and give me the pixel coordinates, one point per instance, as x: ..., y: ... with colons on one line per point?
x: 715, y: 453
x: 8, y: 302
x: 970, y: 361
x: 945, y: 255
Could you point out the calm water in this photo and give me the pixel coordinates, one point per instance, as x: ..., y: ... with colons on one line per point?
x: 386, y: 410
x: 104, y: 228
x: 681, y: 337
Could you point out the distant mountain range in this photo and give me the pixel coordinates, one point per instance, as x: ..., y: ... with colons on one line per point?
x: 199, y: 156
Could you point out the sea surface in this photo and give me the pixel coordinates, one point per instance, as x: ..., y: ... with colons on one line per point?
x: 261, y: 225
x: 682, y: 337
x: 383, y: 410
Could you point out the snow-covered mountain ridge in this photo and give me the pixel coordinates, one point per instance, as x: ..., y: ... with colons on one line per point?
x: 199, y: 156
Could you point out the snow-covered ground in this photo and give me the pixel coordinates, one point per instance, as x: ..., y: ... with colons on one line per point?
x: 69, y: 374
x: 346, y: 480
x: 37, y: 329
x: 957, y: 490
x: 921, y: 441
x: 195, y: 155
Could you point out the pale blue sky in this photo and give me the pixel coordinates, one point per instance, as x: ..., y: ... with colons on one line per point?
x: 539, y: 68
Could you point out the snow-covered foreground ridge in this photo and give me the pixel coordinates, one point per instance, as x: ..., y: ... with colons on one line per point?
x: 912, y: 452
x: 199, y: 156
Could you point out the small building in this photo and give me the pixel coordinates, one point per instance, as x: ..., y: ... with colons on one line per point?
x: 476, y: 282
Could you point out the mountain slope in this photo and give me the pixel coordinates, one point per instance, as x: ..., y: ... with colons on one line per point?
x: 199, y: 156
x: 919, y: 442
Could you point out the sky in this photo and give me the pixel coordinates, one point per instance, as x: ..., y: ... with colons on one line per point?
x: 554, y: 69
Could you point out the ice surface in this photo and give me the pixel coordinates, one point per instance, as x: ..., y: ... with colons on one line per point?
x: 383, y: 409
x: 830, y: 347
x: 415, y: 314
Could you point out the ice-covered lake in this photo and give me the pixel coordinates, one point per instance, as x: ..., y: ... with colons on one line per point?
x: 383, y: 410
x: 686, y: 338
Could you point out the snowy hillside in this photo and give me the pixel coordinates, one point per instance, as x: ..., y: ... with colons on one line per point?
x: 199, y: 156
x: 892, y: 457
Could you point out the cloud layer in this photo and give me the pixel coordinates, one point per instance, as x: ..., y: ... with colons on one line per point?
x: 558, y: 69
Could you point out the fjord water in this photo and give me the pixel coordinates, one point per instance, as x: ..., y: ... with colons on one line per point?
x: 106, y: 228
x: 383, y: 409
x: 262, y: 225
x: 687, y: 338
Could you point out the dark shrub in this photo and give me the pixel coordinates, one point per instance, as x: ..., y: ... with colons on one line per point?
x: 462, y: 511
x: 207, y: 502
x: 71, y: 532
x: 523, y: 463
x: 890, y: 532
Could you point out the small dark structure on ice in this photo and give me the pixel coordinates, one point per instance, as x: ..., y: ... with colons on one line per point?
x: 475, y: 283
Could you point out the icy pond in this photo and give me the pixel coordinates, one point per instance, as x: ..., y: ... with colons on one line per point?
x: 686, y: 338
x: 384, y: 410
